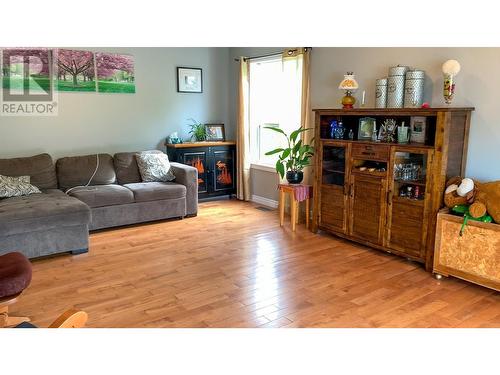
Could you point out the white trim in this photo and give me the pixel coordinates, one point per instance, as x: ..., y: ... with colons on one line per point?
x: 264, y: 201
x: 263, y: 167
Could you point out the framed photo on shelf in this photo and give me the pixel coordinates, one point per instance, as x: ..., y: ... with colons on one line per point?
x: 366, y: 127
x: 418, y: 125
x: 215, y: 132
x: 189, y: 80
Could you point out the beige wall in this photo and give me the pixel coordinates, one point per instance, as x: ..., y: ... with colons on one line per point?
x: 477, y: 86
x: 264, y: 184
x: 93, y: 122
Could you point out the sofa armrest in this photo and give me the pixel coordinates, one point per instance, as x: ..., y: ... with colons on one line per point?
x: 187, y: 176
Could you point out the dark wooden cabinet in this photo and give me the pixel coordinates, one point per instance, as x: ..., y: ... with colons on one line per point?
x: 215, y: 162
x: 369, y: 192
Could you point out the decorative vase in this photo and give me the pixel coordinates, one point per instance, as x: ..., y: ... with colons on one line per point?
x: 294, y: 177
x: 448, y: 88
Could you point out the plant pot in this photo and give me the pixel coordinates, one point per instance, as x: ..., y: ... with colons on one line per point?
x: 294, y: 177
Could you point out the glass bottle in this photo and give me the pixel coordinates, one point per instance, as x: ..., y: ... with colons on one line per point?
x: 340, y: 130
x: 351, y: 134
x: 333, y: 129
x: 374, y: 133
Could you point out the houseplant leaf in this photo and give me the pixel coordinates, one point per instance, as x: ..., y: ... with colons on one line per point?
x: 280, y: 168
x: 275, y: 151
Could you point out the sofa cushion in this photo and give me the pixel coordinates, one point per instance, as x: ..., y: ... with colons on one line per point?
x: 78, y: 170
x: 126, y: 167
x: 103, y: 195
x: 16, y: 186
x: 40, y: 168
x: 153, y: 191
x: 154, y: 167
x: 39, y: 212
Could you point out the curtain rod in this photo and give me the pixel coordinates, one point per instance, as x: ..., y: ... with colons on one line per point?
x: 261, y: 56
x: 268, y: 55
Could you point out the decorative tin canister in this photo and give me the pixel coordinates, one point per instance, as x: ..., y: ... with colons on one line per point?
x: 414, y: 88
x: 396, y: 86
x: 381, y: 93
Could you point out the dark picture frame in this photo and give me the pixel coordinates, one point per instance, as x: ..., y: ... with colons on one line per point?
x: 189, y: 80
x: 215, y: 132
x: 365, y: 128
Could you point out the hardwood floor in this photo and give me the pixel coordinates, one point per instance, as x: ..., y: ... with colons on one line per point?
x: 233, y: 266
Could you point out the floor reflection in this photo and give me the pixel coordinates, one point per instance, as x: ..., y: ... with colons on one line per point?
x: 265, y: 272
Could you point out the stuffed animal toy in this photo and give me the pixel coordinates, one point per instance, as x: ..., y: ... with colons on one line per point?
x: 489, y: 196
x: 458, y: 192
x: 482, y: 198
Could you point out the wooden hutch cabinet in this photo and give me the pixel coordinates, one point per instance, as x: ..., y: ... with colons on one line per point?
x: 387, y: 195
x: 216, y: 164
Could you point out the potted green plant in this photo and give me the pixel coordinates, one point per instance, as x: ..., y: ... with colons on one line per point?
x: 197, y: 130
x: 294, y: 158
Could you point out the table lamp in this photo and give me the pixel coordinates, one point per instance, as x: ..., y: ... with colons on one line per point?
x: 348, y: 84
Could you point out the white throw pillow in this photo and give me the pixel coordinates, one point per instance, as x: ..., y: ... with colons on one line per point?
x: 16, y: 186
x: 154, y: 167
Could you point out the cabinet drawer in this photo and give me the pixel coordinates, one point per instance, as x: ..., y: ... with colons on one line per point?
x: 374, y: 152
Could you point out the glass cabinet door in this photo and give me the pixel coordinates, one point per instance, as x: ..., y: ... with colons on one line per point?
x: 224, y: 169
x: 410, y: 175
x: 198, y: 159
x: 332, y: 192
x: 333, y: 165
x: 406, y: 210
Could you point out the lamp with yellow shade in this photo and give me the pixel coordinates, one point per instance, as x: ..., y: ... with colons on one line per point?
x: 350, y: 85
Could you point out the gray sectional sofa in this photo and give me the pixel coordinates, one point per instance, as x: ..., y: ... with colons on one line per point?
x: 55, y: 222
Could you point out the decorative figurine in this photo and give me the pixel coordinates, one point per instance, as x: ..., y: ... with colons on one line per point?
x: 387, y: 131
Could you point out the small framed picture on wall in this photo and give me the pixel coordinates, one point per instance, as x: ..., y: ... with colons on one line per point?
x: 215, y: 132
x: 189, y: 80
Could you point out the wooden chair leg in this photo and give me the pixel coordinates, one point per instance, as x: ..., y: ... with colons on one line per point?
x: 307, y: 213
x: 293, y: 211
x: 282, y: 207
x: 3, y: 316
x: 10, y: 321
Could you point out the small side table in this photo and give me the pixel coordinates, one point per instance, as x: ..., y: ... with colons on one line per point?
x: 297, y: 193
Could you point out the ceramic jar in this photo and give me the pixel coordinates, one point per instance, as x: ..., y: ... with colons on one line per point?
x: 396, y: 86
x: 414, y: 88
x: 381, y: 93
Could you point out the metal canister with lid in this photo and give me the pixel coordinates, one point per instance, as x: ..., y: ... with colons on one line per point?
x: 396, y: 86
x: 381, y: 93
x: 414, y: 88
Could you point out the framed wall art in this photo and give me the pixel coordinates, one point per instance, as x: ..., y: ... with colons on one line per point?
x: 189, y: 80
x: 115, y: 73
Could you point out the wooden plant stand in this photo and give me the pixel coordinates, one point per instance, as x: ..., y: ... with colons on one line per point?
x: 290, y: 190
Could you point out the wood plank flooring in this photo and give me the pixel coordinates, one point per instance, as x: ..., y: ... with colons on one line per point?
x: 234, y: 266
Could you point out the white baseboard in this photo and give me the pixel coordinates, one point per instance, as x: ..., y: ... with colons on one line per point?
x: 265, y: 201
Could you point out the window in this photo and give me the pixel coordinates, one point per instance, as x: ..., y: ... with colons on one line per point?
x: 275, y: 100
